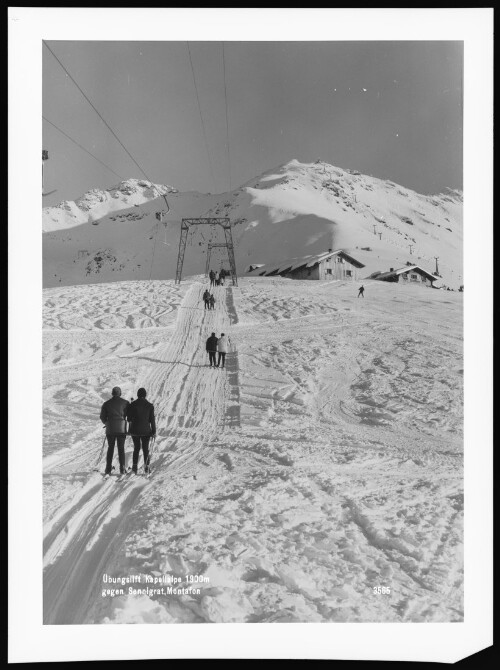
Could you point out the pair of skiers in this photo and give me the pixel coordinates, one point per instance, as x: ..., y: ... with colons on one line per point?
x: 209, y: 300
x: 115, y: 413
x: 217, y: 345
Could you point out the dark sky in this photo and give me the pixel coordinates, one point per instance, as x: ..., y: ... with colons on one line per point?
x: 285, y: 100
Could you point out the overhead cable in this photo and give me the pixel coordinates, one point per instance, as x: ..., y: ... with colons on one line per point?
x: 105, y: 122
x: 81, y: 147
x: 227, y: 122
x: 201, y: 118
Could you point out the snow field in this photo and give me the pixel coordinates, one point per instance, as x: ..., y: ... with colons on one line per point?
x: 325, y: 461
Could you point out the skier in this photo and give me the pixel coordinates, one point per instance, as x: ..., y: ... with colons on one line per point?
x: 206, y: 298
x: 211, y: 348
x: 217, y: 279
x: 222, y: 347
x: 361, y: 292
x: 212, y: 301
x: 212, y: 278
x: 141, y: 415
x: 221, y: 279
x: 113, y: 415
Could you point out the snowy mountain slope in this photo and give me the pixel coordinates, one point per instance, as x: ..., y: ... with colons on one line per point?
x: 96, y: 204
x: 293, y: 210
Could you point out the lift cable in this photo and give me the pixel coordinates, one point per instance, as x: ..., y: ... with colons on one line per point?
x: 106, y: 123
x: 227, y: 122
x: 119, y: 141
x: 81, y: 147
x: 201, y: 118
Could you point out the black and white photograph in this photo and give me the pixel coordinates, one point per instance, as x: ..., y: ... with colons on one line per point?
x: 248, y: 325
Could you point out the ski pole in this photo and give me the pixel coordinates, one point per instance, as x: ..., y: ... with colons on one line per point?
x: 153, y: 446
x: 100, y: 455
x: 147, y: 465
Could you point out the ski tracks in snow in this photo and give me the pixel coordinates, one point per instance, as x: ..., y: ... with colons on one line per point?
x: 189, y: 402
x: 343, y: 471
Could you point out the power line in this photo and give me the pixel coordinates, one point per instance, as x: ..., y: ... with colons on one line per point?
x: 104, y: 121
x: 227, y: 122
x: 201, y: 118
x: 81, y: 147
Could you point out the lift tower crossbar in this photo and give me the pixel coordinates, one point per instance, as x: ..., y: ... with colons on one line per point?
x: 226, y: 226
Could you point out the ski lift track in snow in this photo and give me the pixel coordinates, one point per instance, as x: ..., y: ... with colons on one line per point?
x: 92, y: 512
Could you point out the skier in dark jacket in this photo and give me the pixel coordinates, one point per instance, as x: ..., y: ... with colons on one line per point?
x: 212, y: 278
x: 113, y: 415
x: 206, y: 299
x: 212, y: 301
x: 361, y: 292
x: 211, y: 347
x: 141, y: 415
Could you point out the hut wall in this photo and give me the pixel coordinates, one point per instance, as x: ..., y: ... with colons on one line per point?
x: 304, y: 273
x: 413, y: 276
x: 340, y: 269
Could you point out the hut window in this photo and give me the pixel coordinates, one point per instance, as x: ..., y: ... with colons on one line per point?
x: 414, y: 277
x: 348, y: 273
x: 328, y: 271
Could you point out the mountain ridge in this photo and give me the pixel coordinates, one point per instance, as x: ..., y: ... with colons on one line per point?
x: 291, y: 210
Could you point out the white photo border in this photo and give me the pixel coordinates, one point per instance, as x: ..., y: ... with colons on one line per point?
x: 29, y: 640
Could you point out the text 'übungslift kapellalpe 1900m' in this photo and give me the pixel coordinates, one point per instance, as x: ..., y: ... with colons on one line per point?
x: 158, y: 585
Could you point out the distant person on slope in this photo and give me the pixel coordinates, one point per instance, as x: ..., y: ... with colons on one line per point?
x: 113, y: 415
x: 222, y: 348
x: 206, y: 298
x: 361, y: 292
x: 212, y: 301
x: 211, y: 347
x: 212, y: 278
x: 141, y: 415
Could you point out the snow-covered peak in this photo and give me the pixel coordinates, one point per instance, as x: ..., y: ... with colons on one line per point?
x: 97, y: 203
x: 131, y: 186
x: 292, y: 210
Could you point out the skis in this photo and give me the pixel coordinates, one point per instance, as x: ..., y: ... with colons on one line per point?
x: 122, y: 475
x: 119, y: 477
x: 128, y: 473
x: 107, y: 475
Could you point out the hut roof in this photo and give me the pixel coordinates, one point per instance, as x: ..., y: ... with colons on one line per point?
x: 291, y: 264
x: 400, y: 271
